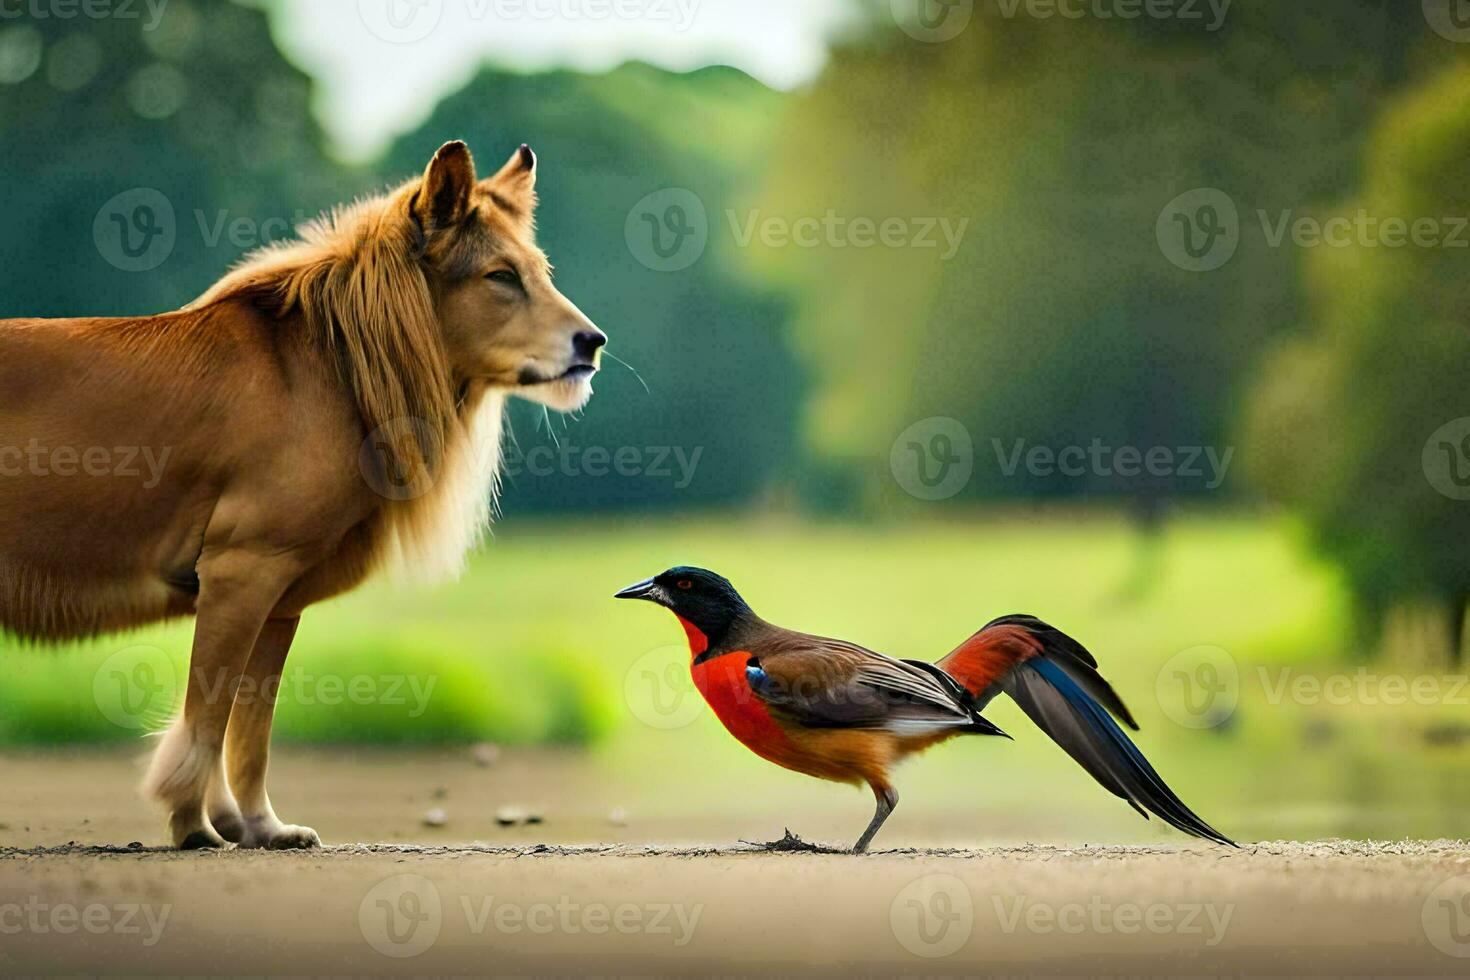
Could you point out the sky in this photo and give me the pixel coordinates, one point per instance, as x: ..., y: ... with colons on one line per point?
x: 381, y: 65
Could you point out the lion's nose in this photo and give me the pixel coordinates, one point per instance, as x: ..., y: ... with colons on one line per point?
x: 587, y: 343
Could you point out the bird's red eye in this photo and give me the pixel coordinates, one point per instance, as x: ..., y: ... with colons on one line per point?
x: 684, y: 583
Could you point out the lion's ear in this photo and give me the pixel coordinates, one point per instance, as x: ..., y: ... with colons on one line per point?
x: 444, y: 198
x: 514, y: 186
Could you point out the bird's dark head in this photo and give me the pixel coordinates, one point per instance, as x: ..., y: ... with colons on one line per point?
x: 696, y: 595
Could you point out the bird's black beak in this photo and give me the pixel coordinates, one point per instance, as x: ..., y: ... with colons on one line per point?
x: 645, y: 589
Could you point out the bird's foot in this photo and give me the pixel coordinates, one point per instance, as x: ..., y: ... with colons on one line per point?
x: 789, y: 842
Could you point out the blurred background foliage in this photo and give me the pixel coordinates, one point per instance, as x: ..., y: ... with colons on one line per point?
x: 1338, y: 410
x: 1058, y: 319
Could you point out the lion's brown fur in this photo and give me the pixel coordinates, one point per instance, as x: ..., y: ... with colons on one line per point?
x: 355, y: 280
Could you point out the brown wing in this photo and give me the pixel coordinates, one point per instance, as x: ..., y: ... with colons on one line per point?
x: 825, y: 683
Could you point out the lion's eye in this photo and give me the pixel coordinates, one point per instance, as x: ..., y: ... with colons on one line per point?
x: 506, y: 277
x: 685, y: 584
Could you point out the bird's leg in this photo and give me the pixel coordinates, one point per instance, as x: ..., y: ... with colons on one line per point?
x: 887, y: 800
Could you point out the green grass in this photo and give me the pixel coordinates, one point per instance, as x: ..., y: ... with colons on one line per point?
x: 529, y: 647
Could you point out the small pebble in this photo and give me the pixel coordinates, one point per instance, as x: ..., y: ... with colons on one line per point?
x: 485, y: 754
x: 534, y: 817
x: 509, y: 816
x: 436, y: 818
x: 618, y: 817
x: 136, y: 845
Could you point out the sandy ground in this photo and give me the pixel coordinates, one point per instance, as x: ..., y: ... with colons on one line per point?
x: 1330, y: 908
x: 511, y: 905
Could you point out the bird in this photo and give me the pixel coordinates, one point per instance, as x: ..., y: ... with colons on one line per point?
x: 838, y: 711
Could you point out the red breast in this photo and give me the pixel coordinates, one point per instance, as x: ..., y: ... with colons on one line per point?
x: 721, y: 680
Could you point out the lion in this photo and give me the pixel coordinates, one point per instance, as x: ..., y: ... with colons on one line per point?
x: 329, y: 409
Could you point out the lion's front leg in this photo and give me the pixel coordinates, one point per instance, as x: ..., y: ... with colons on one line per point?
x: 237, y: 593
x: 221, y: 808
x: 247, y: 742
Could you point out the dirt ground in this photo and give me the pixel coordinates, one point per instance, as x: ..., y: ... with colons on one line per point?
x: 512, y: 905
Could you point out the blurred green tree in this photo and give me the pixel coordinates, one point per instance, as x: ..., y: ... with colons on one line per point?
x: 179, y: 134
x: 1062, y: 317
x: 1361, y: 421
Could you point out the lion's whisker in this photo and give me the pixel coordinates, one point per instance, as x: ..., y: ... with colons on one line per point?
x: 608, y: 353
